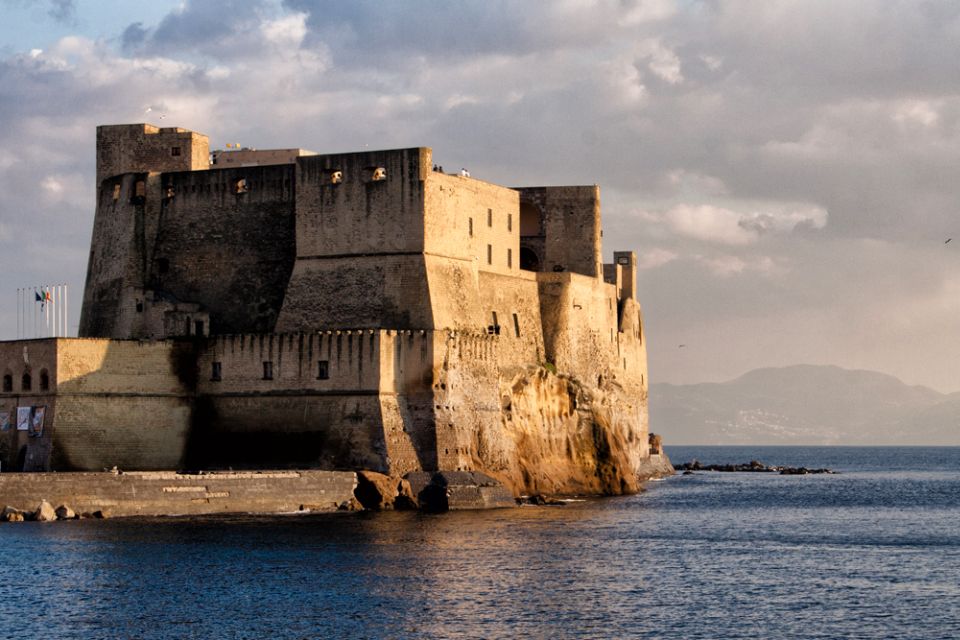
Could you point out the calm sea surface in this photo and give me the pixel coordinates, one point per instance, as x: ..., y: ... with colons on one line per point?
x: 871, y: 553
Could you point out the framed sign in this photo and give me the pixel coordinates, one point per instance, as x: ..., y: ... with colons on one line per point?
x: 36, y: 424
x: 23, y: 418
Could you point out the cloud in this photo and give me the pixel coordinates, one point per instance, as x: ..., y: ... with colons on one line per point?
x: 714, y: 224
x: 655, y: 257
x: 63, y: 11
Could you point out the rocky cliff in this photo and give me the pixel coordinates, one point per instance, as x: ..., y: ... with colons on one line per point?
x: 557, y: 435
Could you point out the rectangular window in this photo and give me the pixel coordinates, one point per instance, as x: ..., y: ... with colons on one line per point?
x: 174, y: 151
x: 267, y: 370
x: 509, y: 222
x: 323, y: 369
x: 198, y: 327
x: 116, y: 192
x: 495, y: 327
x: 509, y: 258
x: 489, y: 254
x: 489, y: 217
x: 471, y: 227
x: 516, y: 325
x: 216, y: 371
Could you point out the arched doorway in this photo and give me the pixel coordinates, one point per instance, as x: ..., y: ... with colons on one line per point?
x: 529, y: 260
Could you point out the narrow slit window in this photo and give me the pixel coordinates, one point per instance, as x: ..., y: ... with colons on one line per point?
x: 216, y: 371
x: 509, y: 258
x: 509, y: 222
x: 489, y: 217
x: 471, y: 227
x: 489, y: 254
x: 268, y: 370
x: 44, y: 380
x: 323, y: 370
x: 516, y: 325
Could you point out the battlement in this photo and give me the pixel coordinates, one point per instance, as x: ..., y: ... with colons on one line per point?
x: 144, y: 148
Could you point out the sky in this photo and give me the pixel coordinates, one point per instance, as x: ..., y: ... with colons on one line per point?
x: 787, y: 172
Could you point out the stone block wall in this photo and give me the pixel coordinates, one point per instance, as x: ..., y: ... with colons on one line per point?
x: 142, y: 148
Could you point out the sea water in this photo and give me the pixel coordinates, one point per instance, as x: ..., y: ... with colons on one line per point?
x: 872, y: 552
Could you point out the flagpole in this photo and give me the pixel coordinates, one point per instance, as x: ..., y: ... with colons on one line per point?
x: 66, y: 310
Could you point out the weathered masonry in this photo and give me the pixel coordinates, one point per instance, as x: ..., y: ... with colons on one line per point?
x: 355, y: 310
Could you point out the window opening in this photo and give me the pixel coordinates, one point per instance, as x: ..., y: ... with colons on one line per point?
x: 509, y: 222
x: 323, y: 369
x: 25, y: 382
x: 489, y: 217
x: 198, y: 327
x: 267, y: 370
x: 509, y: 258
x: 516, y: 325
x: 7, y: 383
x: 44, y: 380
x: 216, y: 371
x: 489, y: 254
x: 163, y: 265
x: 471, y: 227
x: 116, y: 192
x: 174, y: 151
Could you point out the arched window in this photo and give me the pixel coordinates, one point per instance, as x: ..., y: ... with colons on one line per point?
x: 7, y: 382
x: 44, y: 380
x: 26, y: 383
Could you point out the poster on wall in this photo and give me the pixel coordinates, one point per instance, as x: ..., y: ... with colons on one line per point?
x: 36, y: 425
x: 23, y: 418
x: 4, y: 420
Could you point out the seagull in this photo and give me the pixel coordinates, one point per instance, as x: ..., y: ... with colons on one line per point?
x: 681, y: 346
x: 948, y: 241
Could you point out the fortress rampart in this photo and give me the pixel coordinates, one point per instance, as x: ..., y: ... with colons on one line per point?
x: 340, y: 311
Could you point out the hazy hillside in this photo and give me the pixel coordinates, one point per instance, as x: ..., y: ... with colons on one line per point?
x: 805, y: 404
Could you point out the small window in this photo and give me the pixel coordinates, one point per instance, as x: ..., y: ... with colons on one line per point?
x: 509, y: 222
x: 163, y: 265
x: 471, y: 227
x: 7, y: 383
x: 489, y: 254
x: 139, y: 192
x: 139, y: 306
x: 116, y: 192
x: 242, y: 186
x: 493, y: 315
x: 26, y: 383
x: 489, y: 217
x: 198, y: 327
x: 323, y: 369
x: 44, y: 380
x: 175, y: 151
x: 267, y: 370
x: 216, y: 371
x: 516, y: 325
x: 509, y: 258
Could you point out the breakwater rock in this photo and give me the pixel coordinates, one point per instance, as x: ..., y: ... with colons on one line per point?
x: 752, y: 466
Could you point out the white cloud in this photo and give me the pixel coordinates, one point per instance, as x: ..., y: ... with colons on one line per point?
x: 656, y: 257
x: 710, y: 223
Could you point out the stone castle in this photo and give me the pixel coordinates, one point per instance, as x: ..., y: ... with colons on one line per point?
x: 280, y: 308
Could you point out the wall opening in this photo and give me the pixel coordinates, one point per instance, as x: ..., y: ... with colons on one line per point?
x: 44, y: 380
x: 323, y: 369
x: 529, y: 261
x: 471, y: 227
x: 489, y: 254
x: 516, y: 325
x: 7, y: 382
x: 267, y: 370
x: 489, y: 217
x: 26, y: 383
x: 530, y: 220
x: 198, y: 327
x: 216, y: 371
x: 163, y: 265
x: 509, y: 222
x: 509, y: 258
x: 116, y: 192
x: 174, y: 151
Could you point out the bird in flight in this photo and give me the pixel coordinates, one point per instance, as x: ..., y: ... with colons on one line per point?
x: 681, y: 346
x: 948, y: 241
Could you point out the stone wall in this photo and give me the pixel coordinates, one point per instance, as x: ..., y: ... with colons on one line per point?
x: 142, y: 148
x: 568, y: 229
x: 172, y: 494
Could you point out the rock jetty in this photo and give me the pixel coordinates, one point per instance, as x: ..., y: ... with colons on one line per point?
x: 753, y: 466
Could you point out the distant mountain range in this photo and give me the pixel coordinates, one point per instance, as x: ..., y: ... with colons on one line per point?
x: 805, y: 405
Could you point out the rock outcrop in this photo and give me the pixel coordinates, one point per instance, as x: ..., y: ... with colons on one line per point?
x: 559, y: 436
